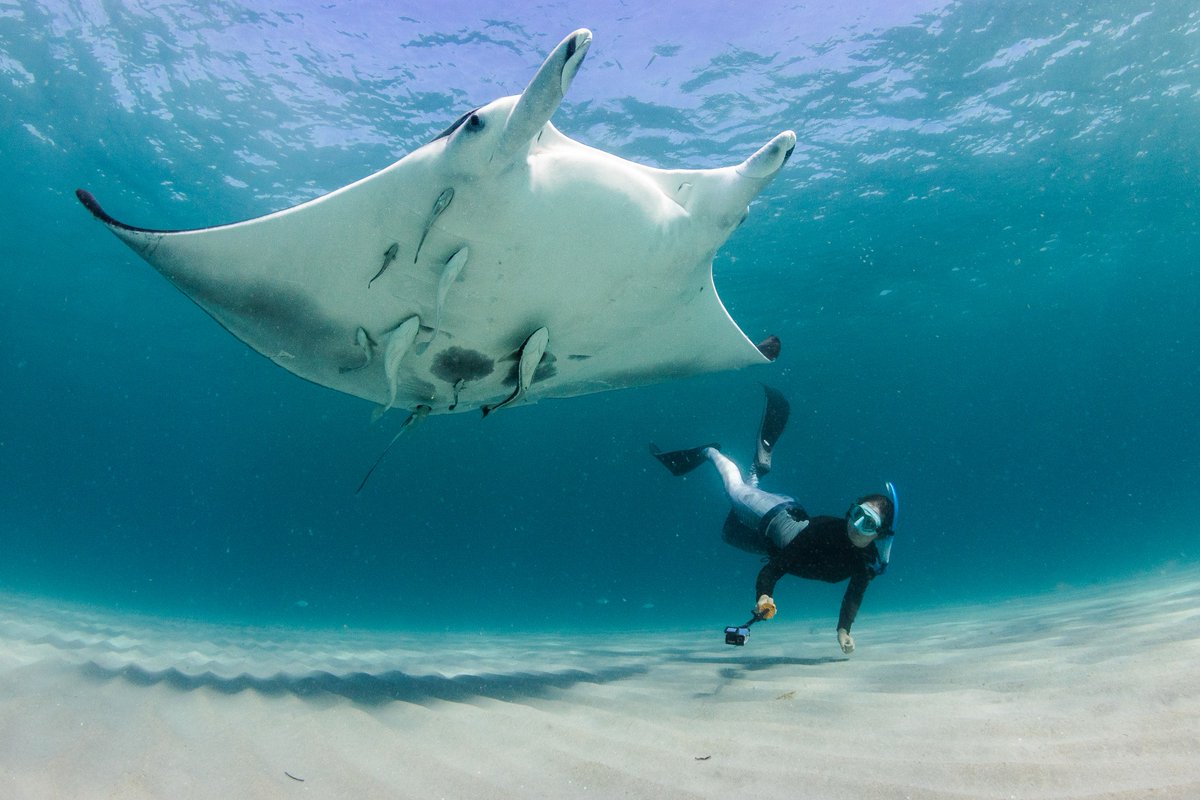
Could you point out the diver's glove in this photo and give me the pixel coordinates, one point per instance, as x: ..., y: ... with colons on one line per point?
x: 845, y: 640
x: 765, y: 608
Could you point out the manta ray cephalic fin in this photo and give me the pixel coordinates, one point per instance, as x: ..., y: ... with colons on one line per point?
x: 543, y: 95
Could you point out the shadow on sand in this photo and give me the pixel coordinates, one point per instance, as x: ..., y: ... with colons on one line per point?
x: 375, y: 689
x: 741, y: 669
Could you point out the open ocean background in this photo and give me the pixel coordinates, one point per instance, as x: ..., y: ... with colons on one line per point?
x: 983, y: 261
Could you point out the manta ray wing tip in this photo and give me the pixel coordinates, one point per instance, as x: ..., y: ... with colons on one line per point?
x: 770, y: 347
x: 93, y: 205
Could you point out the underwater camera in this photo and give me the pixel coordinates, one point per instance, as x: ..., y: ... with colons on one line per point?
x: 737, y: 635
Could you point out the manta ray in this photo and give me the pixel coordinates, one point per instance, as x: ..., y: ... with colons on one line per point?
x: 499, y: 264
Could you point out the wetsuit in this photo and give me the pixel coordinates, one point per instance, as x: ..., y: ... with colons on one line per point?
x: 817, y: 548
x: 774, y: 525
x: 822, y: 552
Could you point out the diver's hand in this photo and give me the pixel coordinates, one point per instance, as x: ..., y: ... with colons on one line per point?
x: 765, y: 608
x: 846, y: 641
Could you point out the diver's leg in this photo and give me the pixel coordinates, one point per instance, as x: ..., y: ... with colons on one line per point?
x: 730, y: 474
x: 749, y: 502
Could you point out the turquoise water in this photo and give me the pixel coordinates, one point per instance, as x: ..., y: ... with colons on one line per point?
x: 982, y: 261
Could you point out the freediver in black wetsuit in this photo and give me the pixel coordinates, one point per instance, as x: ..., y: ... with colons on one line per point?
x: 856, y: 546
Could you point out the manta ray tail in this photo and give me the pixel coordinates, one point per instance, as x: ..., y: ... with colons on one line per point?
x: 421, y: 413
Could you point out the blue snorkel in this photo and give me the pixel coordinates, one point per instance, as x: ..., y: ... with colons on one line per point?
x: 884, y: 543
x: 891, y: 490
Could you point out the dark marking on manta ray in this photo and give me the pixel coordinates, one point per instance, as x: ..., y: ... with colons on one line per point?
x: 577, y: 357
x: 285, y: 312
x: 388, y: 258
x: 456, y: 364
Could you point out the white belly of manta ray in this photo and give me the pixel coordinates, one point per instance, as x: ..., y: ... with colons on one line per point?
x: 501, y: 263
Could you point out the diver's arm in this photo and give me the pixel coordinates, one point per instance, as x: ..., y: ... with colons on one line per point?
x: 768, y: 576
x: 764, y: 588
x: 851, y: 601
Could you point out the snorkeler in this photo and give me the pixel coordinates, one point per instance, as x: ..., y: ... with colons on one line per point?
x: 856, y: 546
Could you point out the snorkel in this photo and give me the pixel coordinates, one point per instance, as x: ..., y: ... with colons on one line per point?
x: 883, y: 543
x: 891, y: 490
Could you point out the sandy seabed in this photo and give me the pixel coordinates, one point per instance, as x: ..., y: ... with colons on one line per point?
x: 1079, y: 693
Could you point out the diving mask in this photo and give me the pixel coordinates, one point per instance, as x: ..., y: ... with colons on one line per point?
x: 865, y: 519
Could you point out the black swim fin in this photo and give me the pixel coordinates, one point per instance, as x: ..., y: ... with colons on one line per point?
x: 774, y: 420
x: 681, y: 462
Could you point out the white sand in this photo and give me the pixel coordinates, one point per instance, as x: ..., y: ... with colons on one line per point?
x: 1092, y: 693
